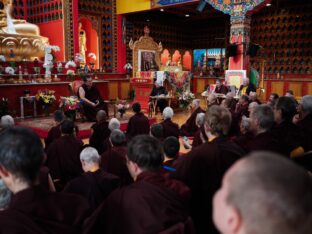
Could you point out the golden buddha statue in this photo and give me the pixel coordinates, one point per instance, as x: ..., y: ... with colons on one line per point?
x: 18, y: 38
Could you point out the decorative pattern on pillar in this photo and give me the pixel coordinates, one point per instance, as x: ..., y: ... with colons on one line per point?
x: 69, y: 33
x: 114, y: 22
x: 240, y: 12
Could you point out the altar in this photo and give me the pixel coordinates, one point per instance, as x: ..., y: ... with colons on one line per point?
x: 148, y: 69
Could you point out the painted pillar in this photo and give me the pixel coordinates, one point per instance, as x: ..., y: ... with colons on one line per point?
x: 240, y: 35
x: 240, y: 12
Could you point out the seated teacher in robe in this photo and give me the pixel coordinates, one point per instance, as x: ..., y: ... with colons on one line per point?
x: 92, y: 100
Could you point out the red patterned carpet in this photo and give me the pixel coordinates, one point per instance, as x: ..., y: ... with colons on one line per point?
x: 42, y: 125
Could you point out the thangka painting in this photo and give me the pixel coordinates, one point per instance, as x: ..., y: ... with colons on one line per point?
x: 199, y: 58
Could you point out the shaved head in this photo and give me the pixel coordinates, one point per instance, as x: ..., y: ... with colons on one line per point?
x: 101, y: 115
x: 268, y: 193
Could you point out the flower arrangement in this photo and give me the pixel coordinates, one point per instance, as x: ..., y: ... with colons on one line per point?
x: 45, y: 96
x: 70, y: 74
x: 185, y: 99
x: 121, y: 106
x: 70, y: 105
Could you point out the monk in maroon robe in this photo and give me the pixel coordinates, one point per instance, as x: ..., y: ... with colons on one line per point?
x: 189, y: 128
x: 305, y: 122
x: 262, y: 121
x: 55, y: 131
x: 220, y: 88
x: 202, y: 168
x: 114, y: 159
x: 95, y: 184
x: 63, y: 155
x: 287, y: 134
x: 100, y: 133
x: 92, y: 100
x: 34, y: 209
x: 170, y: 128
x: 138, y: 123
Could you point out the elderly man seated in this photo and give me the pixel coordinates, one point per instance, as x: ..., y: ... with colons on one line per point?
x: 7, y: 121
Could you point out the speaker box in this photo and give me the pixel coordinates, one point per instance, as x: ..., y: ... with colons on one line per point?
x: 253, y: 50
x: 232, y: 50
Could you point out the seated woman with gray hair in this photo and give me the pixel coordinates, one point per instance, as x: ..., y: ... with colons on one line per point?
x: 245, y: 133
x: 170, y: 128
x: 113, y: 124
x: 200, y: 136
x: 7, y: 121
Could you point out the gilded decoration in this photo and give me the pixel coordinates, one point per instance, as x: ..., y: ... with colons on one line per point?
x: 69, y: 35
x: 145, y: 44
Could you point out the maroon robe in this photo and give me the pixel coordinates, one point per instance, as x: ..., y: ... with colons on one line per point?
x: 222, y: 89
x: 150, y: 205
x: 243, y: 140
x: 63, y: 158
x: 94, y: 186
x: 98, y: 139
x: 138, y: 124
x: 263, y: 141
x: 93, y: 95
x: 54, y: 133
x: 170, y: 128
x: 36, y: 210
x: 288, y: 137
x: 114, y: 161
x: 305, y: 125
x: 202, y: 170
x: 198, y: 137
x: 190, y: 127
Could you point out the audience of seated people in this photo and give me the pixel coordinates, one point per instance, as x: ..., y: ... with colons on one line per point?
x: 189, y: 128
x: 100, y: 132
x: 203, y: 167
x: 130, y: 188
x: 32, y: 208
x: 152, y: 204
x: 138, y: 123
x: 170, y: 128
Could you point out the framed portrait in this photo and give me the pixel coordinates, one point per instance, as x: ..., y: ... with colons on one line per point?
x: 147, y: 60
